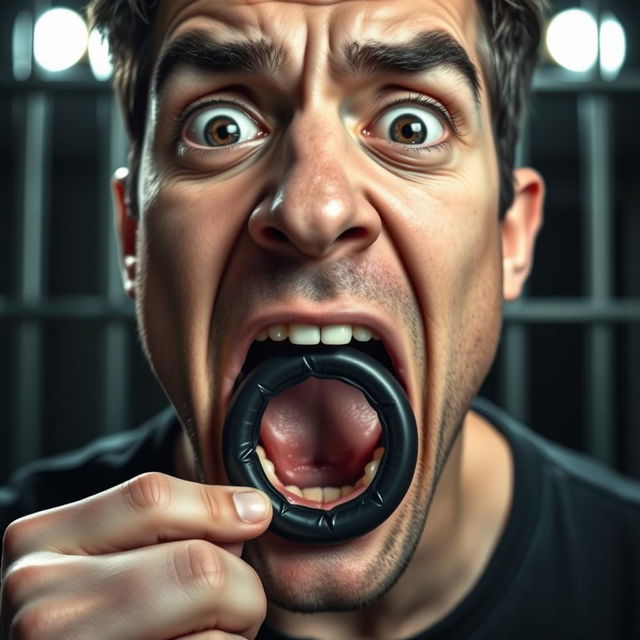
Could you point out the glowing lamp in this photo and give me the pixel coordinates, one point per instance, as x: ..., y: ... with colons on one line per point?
x: 572, y: 39
x: 99, y: 57
x: 59, y: 39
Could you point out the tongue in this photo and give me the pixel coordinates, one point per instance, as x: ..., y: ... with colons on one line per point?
x: 320, y: 433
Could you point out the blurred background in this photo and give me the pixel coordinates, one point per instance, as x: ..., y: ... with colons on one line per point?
x: 70, y: 364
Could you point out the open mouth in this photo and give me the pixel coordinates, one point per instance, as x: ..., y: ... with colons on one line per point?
x: 320, y: 441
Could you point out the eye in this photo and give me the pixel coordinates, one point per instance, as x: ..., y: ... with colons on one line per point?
x: 409, y: 125
x: 220, y: 126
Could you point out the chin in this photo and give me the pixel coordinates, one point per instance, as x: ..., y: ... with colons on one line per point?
x: 338, y: 577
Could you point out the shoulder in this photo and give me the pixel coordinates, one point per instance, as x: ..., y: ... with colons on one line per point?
x: 563, y: 469
x: 95, y: 467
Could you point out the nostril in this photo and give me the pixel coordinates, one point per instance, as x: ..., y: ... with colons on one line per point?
x: 275, y: 235
x: 354, y: 233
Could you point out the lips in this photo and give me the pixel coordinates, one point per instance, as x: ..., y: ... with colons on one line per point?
x: 320, y: 441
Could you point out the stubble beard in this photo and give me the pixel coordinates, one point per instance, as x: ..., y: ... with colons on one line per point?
x: 333, y: 585
x: 334, y: 579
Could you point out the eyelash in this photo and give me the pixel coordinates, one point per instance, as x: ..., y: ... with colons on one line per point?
x: 180, y: 121
x: 451, y: 118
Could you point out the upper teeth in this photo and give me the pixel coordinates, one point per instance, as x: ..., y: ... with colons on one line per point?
x: 313, y: 334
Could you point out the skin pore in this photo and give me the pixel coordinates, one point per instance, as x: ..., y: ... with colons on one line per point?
x: 317, y: 216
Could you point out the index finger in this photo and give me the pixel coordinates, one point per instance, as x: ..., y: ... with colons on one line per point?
x: 145, y: 510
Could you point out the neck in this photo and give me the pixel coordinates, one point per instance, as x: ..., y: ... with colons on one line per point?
x: 465, y: 521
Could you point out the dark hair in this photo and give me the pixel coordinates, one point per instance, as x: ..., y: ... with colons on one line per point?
x: 508, y: 47
x: 508, y: 41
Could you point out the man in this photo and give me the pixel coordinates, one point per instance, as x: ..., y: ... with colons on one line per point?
x: 310, y: 171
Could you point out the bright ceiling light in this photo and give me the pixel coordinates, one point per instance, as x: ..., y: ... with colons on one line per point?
x: 59, y: 39
x: 572, y: 39
x: 613, y: 46
x: 99, y: 58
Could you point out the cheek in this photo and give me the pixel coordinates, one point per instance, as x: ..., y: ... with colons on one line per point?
x: 185, y: 238
x: 464, y: 297
x: 463, y: 283
x: 446, y: 234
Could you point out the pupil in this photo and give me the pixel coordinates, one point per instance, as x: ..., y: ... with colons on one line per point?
x: 222, y: 131
x: 408, y: 129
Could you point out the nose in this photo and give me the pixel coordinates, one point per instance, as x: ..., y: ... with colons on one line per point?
x: 314, y: 211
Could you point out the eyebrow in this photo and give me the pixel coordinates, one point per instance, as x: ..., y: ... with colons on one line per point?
x: 427, y: 51
x: 199, y: 50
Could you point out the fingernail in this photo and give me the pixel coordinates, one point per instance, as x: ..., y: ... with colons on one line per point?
x: 251, y: 506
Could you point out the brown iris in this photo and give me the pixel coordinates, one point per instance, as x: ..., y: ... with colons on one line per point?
x: 222, y: 131
x: 408, y: 129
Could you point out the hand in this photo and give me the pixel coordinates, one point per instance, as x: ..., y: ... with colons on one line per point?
x: 153, y: 558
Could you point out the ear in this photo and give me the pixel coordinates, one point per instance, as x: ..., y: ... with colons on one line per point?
x: 126, y: 228
x: 520, y: 227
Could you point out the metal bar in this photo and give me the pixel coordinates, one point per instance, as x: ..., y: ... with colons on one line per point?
x: 22, y: 45
x: 594, y: 114
x: 631, y: 371
x: 600, y: 396
x: 545, y: 80
x: 54, y: 86
x: 79, y: 307
x: 514, y: 380
x: 561, y: 81
x: 631, y: 455
x: 118, y: 148
x: 115, y: 355
x: 596, y: 124
x: 514, y: 370
x: 529, y: 311
x: 28, y: 348
x: 574, y: 311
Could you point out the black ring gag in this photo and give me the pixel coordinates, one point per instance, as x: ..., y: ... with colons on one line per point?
x: 367, y: 510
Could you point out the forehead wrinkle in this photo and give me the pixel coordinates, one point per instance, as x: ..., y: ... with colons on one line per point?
x: 315, y: 40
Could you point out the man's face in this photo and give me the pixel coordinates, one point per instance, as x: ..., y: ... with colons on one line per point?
x: 338, y: 171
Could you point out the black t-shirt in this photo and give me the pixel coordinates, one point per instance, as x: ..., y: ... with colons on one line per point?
x: 101, y: 465
x: 566, y: 566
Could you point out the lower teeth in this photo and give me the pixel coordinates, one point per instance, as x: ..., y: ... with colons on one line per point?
x: 321, y: 494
